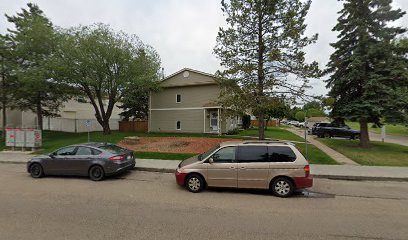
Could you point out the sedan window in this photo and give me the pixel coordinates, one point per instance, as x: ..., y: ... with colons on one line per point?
x: 66, y: 151
x: 83, y: 151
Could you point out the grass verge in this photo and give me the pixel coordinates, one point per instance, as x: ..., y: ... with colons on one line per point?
x: 55, y: 140
x: 315, y: 155
x: 397, y: 129
x: 164, y: 156
x: 379, y: 154
x: 273, y: 133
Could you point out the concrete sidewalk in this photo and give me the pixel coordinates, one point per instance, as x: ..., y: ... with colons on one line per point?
x: 345, y: 172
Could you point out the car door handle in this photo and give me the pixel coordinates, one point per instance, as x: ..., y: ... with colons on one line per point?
x: 242, y: 168
x: 232, y: 167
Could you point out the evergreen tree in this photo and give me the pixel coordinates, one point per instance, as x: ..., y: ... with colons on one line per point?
x: 366, y: 68
x: 261, y: 50
x: 32, y: 43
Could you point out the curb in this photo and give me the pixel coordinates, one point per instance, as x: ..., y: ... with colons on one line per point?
x: 147, y: 169
x: 360, y: 178
x: 323, y: 176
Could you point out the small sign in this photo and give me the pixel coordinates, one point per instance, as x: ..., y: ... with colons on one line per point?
x: 88, y: 123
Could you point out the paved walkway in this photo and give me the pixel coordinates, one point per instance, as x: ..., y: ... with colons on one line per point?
x: 338, y: 157
x: 348, y: 172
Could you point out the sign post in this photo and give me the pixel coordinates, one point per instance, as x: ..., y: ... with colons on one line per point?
x: 383, y: 133
x: 306, y: 138
x: 88, y: 126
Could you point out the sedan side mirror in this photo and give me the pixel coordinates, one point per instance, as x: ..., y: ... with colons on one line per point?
x: 211, y: 160
x: 51, y: 155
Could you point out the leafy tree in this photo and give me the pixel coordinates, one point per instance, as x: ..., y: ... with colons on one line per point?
x: 106, y: 66
x: 366, y: 68
x: 7, y: 80
x: 32, y: 44
x: 300, y: 116
x: 261, y: 50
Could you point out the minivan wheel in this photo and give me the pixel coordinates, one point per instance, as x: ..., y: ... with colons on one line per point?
x: 194, y: 183
x: 282, y: 187
x: 96, y: 173
x: 36, y: 171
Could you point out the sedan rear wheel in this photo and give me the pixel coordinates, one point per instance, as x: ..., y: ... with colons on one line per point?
x: 194, y: 183
x: 96, y: 173
x: 36, y: 171
x: 282, y: 187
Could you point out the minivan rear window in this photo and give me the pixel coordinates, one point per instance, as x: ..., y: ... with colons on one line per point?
x: 252, y: 154
x: 281, y: 154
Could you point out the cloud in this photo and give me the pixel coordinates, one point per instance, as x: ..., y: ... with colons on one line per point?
x: 182, y: 31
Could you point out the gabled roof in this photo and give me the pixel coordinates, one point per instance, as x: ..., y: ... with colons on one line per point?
x: 194, y: 78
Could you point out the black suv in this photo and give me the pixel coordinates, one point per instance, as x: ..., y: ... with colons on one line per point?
x: 334, y: 130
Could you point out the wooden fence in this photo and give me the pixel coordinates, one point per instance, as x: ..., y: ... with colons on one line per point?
x: 134, y: 126
x: 271, y: 123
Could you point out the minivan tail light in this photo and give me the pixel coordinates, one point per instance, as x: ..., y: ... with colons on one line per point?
x: 117, y: 158
x: 307, y: 170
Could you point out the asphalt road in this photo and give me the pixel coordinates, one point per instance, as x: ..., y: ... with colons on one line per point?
x: 143, y: 205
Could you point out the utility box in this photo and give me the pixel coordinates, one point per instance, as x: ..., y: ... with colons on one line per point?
x: 23, y: 137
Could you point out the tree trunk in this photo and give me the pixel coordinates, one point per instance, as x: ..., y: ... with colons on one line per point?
x: 106, y: 127
x: 39, y: 115
x: 4, y: 119
x: 261, y: 127
x: 364, y: 138
x: 3, y: 99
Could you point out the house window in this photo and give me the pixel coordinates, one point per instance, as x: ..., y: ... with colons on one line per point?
x: 178, y: 98
x: 178, y: 125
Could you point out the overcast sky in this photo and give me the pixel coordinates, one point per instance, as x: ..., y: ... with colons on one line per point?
x: 182, y: 31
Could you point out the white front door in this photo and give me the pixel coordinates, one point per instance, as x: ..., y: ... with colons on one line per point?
x: 214, y: 121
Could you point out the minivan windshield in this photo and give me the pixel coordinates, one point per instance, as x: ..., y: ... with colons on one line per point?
x: 206, y: 154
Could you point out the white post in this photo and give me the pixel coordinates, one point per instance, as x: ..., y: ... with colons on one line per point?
x: 306, y: 138
x: 219, y: 125
x: 204, y: 121
x: 383, y: 133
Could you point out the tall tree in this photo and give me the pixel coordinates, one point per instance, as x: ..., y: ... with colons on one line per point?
x: 5, y: 88
x: 32, y: 43
x: 104, y: 65
x: 366, y: 67
x: 261, y: 50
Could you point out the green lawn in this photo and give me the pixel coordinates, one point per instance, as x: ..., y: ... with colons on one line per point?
x: 315, y: 155
x: 389, y: 129
x: 379, y: 154
x: 54, y: 140
x: 166, y: 156
x: 273, y: 133
x: 2, y: 142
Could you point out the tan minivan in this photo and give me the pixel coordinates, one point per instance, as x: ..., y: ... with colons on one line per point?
x: 273, y: 165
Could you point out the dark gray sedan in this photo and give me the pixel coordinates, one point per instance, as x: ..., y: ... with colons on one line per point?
x: 95, y: 160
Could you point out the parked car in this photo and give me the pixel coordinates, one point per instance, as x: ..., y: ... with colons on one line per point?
x: 95, y: 160
x: 294, y: 123
x: 273, y: 165
x: 333, y: 130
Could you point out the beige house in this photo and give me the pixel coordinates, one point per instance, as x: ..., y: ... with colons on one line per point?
x: 75, y: 116
x: 187, y: 102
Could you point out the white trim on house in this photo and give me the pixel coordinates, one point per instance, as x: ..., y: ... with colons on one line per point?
x: 190, y: 70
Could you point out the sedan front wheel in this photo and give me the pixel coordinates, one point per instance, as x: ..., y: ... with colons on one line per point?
x: 36, y: 170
